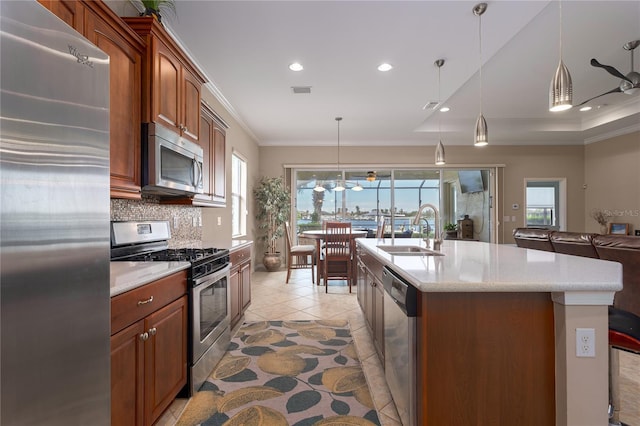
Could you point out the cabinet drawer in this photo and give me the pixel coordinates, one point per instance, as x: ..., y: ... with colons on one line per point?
x: 129, y: 307
x: 240, y: 255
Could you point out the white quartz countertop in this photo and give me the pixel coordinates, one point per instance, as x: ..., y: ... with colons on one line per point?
x: 472, y: 266
x: 126, y: 276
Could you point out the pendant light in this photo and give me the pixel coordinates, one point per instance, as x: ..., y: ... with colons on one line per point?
x: 358, y: 187
x: 318, y: 187
x: 482, y: 132
x: 440, y: 161
x: 561, y: 89
x: 339, y: 183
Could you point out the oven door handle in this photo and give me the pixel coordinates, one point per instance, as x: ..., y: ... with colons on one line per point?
x: 212, y: 278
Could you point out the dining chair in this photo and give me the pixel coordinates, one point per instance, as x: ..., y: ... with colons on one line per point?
x: 338, y: 253
x: 300, y: 256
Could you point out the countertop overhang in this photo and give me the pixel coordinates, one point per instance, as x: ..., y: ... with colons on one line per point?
x: 472, y: 266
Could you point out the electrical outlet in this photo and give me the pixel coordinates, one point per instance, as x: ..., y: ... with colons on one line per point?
x: 194, y: 222
x: 219, y: 220
x: 586, y: 342
x: 175, y: 222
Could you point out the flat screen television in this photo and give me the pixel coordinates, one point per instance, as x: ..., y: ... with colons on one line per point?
x: 470, y: 181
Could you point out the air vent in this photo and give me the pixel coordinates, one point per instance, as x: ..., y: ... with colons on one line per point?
x: 431, y: 105
x: 301, y: 89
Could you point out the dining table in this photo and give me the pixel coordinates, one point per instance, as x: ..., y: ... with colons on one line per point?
x: 319, y: 234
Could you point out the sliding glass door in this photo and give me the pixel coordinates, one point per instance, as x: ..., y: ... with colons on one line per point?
x: 459, y: 195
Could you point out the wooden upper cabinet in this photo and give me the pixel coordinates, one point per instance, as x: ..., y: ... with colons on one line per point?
x: 166, y: 100
x: 213, y: 143
x: 100, y: 25
x: 171, y: 84
x: 70, y: 11
x: 219, y: 159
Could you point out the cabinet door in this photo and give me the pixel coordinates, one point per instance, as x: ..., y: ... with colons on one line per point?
x: 245, y: 273
x: 361, y: 283
x: 369, y: 301
x: 166, y: 91
x: 165, y: 357
x: 219, y: 164
x: 127, y: 375
x: 234, y: 294
x: 190, y: 101
x: 206, y: 142
x: 378, y: 318
x: 70, y: 11
x: 125, y: 86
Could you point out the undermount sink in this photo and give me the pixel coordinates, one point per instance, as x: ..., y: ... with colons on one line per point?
x: 409, y: 251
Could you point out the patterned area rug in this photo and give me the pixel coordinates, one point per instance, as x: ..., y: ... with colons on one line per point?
x: 297, y: 373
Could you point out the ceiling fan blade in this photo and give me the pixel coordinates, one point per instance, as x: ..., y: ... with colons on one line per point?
x: 611, y: 70
x: 617, y: 89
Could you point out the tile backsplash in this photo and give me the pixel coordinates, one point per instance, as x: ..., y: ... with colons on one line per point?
x: 149, y: 208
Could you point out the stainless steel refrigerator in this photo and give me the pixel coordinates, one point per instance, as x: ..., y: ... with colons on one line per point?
x: 54, y: 222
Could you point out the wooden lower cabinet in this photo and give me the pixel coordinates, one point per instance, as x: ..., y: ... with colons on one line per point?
x: 149, y: 356
x: 240, y: 282
x: 370, y: 293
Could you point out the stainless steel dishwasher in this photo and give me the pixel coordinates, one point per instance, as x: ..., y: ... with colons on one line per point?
x: 400, y: 306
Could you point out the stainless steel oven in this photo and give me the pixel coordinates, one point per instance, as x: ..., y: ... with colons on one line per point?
x: 209, y: 324
x: 209, y: 302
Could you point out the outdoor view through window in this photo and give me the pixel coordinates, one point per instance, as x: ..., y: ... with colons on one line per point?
x: 394, y: 194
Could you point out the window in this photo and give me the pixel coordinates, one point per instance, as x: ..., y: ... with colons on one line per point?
x: 544, y: 201
x: 238, y: 196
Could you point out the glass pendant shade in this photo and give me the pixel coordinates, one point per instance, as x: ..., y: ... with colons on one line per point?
x: 318, y: 188
x: 482, y: 133
x: 357, y: 188
x: 440, y: 154
x: 561, y: 90
x: 339, y: 186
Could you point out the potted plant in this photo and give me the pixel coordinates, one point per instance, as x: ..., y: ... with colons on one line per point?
x: 451, y: 231
x: 273, y: 204
x: 156, y: 8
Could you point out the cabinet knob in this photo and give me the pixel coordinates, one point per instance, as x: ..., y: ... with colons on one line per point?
x: 153, y: 331
x: 144, y: 302
x: 144, y: 336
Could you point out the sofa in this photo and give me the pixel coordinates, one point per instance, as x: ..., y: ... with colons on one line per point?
x: 624, y: 249
x: 624, y: 317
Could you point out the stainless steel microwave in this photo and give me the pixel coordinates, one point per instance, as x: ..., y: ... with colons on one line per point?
x: 171, y: 164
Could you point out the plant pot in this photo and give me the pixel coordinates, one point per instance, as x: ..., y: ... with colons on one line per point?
x: 451, y: 235
x: 271, y: 261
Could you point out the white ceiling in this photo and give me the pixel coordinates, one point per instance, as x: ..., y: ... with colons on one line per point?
x: 245, y: 47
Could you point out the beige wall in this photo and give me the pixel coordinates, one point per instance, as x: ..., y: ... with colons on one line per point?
x: 238, y: 140
x: 612, y: 175
x: 520, y: 163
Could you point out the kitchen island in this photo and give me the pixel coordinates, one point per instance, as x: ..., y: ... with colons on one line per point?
x: 496, y: 330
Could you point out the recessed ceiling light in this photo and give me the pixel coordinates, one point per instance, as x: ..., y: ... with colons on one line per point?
x: 585, y: 108
x: 296, y: 67
x: 384, y: 67
x: 445, y: 109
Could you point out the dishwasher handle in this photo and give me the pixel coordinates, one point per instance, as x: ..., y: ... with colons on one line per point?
x: 401, y: 292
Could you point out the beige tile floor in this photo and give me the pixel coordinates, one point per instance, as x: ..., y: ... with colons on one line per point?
x: 272, y: 299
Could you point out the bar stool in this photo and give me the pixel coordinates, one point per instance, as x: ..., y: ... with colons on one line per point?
x: 624, y: 315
